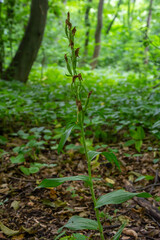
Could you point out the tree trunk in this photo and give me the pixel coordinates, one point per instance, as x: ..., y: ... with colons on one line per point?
x: 129, y: 15
x: 26, y: 54
x: 87, y: 24
x: 1, y: 42
x: 147, y: 29
x: 114, y: 18
x: 98, y: 34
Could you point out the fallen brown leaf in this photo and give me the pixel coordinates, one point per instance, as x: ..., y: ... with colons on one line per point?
x: 130, y: 232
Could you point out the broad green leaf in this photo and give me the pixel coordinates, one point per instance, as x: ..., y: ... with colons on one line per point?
x: 147, y: 177
x: 156, y: 124
x: 138, y: 145
x: 54, y: 182
x: 92, y: 155
x: 111, y: 157
x: 7, y: 231
x: 3, y: 140
x: 129, y: 143
x: 118, y: 197
x: 79, y: 236
x: 25, y: 170
x: 34, y: 169
x: 64, y: 136
x: 18, y: 159
x: 78, y: 223
x: 141, y: 133
x: 118, y: 234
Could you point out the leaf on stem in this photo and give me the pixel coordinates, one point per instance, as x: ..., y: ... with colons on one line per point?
x: 118, y: 197
x: 65, y: 135
x: 55, y: 182
x: 92, y: 155
x: 111, y: 157
x: 78, y: 223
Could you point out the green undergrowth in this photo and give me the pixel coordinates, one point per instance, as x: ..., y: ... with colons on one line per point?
x: 120, y: 101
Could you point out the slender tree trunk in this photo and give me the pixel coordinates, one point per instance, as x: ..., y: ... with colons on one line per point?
x: 114, y: 18
x: 132, y: 11
x: 147, y: 29
x: 129, y: 15
x: 98, y: 34
x: 87, y: 24
x: 1, y: 42
x: 26, y: 54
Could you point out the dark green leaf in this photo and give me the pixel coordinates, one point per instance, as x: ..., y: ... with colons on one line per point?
x: 18, y: 159
x: 64, y: 136
x: 118, y: 234
x: 111, y: 157
x: 118, y: 197
x: 54, y: 182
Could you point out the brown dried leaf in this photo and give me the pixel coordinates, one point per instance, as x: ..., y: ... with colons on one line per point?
x: 19, y: 237
x: 130, y: 232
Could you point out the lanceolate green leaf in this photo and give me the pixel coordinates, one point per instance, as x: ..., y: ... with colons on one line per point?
x: 78, y: 223
x: 118, y: 234
x: 118, y: 197
x: 138, y: 145
x: 65, y: 135
x: 111, y: 157
x: 54, y: 182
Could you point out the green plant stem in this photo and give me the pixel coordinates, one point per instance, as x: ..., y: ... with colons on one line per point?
x: 91, y: 181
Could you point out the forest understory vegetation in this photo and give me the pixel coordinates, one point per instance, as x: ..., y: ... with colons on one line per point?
x: 80, y: 145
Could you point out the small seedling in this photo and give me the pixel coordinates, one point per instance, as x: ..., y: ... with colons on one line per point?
x: 137, y: 138
x: 82, y: 102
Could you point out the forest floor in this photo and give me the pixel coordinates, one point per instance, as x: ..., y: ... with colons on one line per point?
x: 37, y: 213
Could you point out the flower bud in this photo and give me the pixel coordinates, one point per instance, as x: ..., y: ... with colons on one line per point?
x: 74, y: 31
x: 68, y: 16
x: 80, y: 76
x: 71, y: 44
x: 66, y: 59
x: 74, y: 78
x: 89, y: 94
x: 77, y: 52
x: 79, y: 105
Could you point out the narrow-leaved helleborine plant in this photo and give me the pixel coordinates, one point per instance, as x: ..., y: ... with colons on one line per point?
x: 116, y: 197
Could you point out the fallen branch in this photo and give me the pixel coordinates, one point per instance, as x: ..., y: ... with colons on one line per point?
x: 151, y: 211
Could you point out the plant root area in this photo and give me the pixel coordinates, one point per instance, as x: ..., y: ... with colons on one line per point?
x: 27, y: 212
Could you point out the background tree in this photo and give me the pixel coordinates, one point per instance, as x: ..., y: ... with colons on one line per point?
x: 98, y: 34
x: 114, y: 18
x: 22, y: 62
x: 146, y: 31
x: 87, y: 24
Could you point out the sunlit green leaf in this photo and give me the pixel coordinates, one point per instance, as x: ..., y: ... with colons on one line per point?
x: 78, y: 223
x: 92, y: 154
